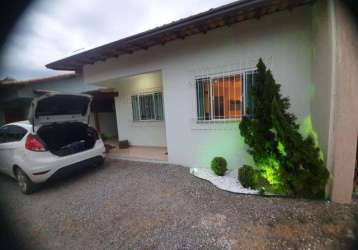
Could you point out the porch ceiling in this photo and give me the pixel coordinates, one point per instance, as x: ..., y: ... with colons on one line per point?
x: 201, y: 23
x: 143, y: 80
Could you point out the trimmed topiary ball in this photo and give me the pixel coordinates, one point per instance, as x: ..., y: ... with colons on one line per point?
x: 247, y: 176
x: 219, y: 165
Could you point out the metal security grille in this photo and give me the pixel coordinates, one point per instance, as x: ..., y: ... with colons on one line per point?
x: 147, y: 107
x: 220, y: 92
x: 224, y: 96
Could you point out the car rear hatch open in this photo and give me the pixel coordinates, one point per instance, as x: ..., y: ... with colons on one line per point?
x: 61, y: 122
x: 57, y: 108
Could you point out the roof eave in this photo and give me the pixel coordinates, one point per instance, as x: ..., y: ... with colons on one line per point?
x: 128, y: 45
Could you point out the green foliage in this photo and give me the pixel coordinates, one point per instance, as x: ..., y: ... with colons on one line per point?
x: 250, y: 177
x: 290, y: 163
x: 219, y: 165
x: 355, y: 191
x: 247, y: 176
x: 105, y: 137
x: 261, y: 182
x: 262, y: 191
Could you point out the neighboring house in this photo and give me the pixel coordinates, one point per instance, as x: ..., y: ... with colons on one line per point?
x: 184, y: 85
x: 16, y: 96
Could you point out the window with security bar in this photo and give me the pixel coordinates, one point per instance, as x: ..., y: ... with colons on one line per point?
x: 147, y: 107
x: 224, y: 97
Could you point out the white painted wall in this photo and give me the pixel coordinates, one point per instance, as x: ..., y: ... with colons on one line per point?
x: 284, y: 39
x: 107, y: 122
x: 322, y: 71
x: 344, y: 118
x: 139, y: 133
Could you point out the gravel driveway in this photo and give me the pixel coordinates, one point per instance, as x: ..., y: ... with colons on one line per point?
x: 131, y: 205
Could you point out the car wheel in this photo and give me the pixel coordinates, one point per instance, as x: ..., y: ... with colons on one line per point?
x: 101, y: 162
x: 25, y: 184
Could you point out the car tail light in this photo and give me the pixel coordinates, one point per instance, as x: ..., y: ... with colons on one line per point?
x: 34, y: 144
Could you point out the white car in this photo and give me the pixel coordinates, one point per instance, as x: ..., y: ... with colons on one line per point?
x: 55, y: 139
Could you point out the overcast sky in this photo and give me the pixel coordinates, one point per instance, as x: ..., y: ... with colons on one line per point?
x: 51, y: 30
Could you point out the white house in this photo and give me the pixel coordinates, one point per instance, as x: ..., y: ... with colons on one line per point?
x: 183, y: 85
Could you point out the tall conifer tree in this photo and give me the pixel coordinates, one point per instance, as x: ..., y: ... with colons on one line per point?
x: 290, y: 163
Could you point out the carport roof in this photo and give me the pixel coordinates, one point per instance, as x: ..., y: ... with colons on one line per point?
x: 225, y: 15
x: 13, y: 82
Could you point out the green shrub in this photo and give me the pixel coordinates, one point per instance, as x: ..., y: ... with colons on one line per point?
x: 262, y: 191
x: 105, y: 137
x: 219, y: 165
x: 247, y: 176
x: 356, y: 191
x: 261, y: 183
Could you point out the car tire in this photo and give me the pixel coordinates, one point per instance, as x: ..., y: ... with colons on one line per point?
x: 25, y: 184
x: 101, y: 162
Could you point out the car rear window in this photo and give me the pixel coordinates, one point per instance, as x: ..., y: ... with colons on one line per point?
x: 62, y: 105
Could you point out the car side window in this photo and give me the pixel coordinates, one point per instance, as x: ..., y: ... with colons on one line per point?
x: 3, y: 134
x: 11, y: 133
x: 15, y: 133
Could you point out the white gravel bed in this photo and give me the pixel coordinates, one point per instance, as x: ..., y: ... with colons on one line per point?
x: 228, y: 182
